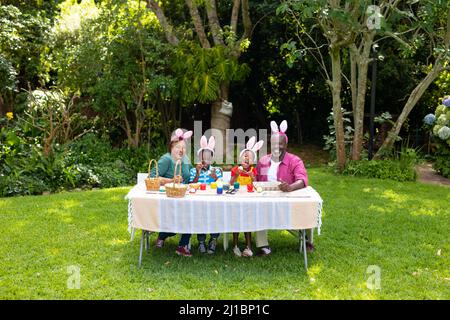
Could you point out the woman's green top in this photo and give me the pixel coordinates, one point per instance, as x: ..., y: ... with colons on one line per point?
x: 166, y: 166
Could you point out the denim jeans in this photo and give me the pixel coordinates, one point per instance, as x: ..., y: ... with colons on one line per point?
x: 202, y: 237
x: 184, y: 240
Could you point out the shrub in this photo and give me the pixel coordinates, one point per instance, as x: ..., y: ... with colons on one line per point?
x: 85, y: 163
x: 442, y: 163
x: 381, y: 169
x: 438, y: 124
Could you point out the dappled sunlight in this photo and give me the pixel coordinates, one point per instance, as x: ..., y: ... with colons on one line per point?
x: 394, y: 196
x: 423, y: 211
x: 67, y: 204
x: 313, y: 272
x: 380, y: 209
x: 118, y: 242
x: 18, y: 226
x: 53, y: 252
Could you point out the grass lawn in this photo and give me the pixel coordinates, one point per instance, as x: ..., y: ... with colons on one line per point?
x: 401, y: 227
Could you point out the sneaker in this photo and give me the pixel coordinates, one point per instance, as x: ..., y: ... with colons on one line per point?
x: 237, y: 251
x: 212, y: 246
x: 159, y: 243
x: 183, y: 251
x: 202, y: 247
x: 265, y: 251
x: 247, y: 252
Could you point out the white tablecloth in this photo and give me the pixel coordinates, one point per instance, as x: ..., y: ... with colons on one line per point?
x: 206, y: 212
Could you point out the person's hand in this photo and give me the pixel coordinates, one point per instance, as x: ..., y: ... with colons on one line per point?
x: 163, y: 181
x: 213, y: 174
x: 198, y: 167
x: 285, y: 187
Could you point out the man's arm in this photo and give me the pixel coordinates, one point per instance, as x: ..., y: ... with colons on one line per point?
x: 301, y: 177
x: 285, y: 187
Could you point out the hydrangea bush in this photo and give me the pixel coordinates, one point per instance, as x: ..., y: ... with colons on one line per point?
x: 439, y: 124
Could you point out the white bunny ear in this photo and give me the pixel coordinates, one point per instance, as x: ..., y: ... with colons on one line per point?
x: 251, y: 142
x: 187, y: 134
x: 212, y: 143
x: 283, y: 126
x: 203, y: 142
x: 274, y: 126
x: 258, y: 146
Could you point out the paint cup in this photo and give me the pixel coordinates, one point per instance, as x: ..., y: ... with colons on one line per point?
x: 236, y: 185
x: 250, y: 187
x: 203, y: 186
x: 213, y: 185
x: 219, y: 190
x: 226, y: 187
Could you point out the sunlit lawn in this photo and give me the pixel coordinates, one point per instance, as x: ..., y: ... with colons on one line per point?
x: 403, y: 228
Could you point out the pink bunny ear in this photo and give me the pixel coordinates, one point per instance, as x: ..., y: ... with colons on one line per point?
x: 203, y: 143
x: 258, y: 145
x: 251, y: 142
x: 283, y: 126
x: 187, y: 134
x: 179, y: 133
x: 211, y: 143
x: 274, y: 126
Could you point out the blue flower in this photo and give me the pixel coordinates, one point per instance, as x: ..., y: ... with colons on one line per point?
x: 429, y: 119
x: 446, y: 101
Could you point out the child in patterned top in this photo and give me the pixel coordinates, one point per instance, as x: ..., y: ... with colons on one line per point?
x: 245, y: 174
x: 204, y: 173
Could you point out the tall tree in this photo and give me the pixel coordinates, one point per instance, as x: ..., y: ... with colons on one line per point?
x: 434, y: 27
x: 213, y: 35
x: 355, y: 26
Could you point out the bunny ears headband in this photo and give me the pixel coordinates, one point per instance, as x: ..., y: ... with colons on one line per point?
x: 252, y: 146
x: 180, y: 135
x: 281, y: 130
x: 207, y: 144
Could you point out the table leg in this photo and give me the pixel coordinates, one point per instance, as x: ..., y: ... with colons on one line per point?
x: 304, y: 250
x: 132, y: 234
x: 147, y: 237
x: 141, y: 247
x: 300, y: 242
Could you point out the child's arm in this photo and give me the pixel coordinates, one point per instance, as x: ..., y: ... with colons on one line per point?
x: 195, y: 173
x: 234, y: 175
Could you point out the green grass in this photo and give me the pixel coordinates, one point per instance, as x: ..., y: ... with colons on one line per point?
x: 397, y: 226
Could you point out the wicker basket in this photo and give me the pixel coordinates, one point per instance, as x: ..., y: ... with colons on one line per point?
x: 176, y: 189
x: 152, y: 184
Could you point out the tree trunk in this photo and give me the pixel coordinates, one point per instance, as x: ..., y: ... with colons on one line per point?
x: 165, y: 24
x: 336, y: 85
x: 196, y: 19
x: 416, y: 94
x: 363, y: 61
x: 2, y: 108
x: 220, y: 121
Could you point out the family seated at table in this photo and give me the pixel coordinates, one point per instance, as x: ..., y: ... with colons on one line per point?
x: 278, y: 166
